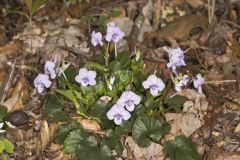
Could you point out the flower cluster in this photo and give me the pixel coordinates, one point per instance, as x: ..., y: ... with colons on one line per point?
x: 50, y: 72
x: 118, y: 113
x: 114, y: 34
x: 176, y: 59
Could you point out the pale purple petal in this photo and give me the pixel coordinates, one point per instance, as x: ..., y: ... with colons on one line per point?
x: 42, y: 81
x: 118, y: 120
x: 111, y: 113
x: 154, y: 91
x: 40, y: 88
x: 49, y: 69
x: 92, y: 74
x: 198, y: 82
x: 92, y: 82
x: 96, y: 39
x: 200, y: 89
x: 86, y: 77
x: 126, y: 115
x: 176, y: 58
x: 131, y: 107
x: 178, y: 87
x: 83, y: 71
x: 118, y: 113
x: 146, y: 84
x: 154, y: 83
x: 113, y: 33
x: 121, y: 101
x: 160, y: 84
x: 185, y: 80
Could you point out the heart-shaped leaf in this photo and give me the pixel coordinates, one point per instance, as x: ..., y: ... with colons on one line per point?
x: 84, y: 146
x: 147, y: 128
x: 181, y: 148
x: 176, y: 102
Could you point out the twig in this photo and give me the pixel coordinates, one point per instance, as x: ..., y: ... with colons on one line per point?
x: 8, y: 82
x: 223, y: 81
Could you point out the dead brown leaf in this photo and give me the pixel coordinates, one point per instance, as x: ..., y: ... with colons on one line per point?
x: 181, y: 28
x: 89, y: 124
x: 153, y: 152
x: 47, y: 132
x: 17, y: 96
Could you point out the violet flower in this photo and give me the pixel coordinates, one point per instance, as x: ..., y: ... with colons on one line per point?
x: 118, y: 114
x: 129, y: 99
x: 113, y: 33
x: 86, y: 77
x: 49, y: 69
x: 42, y: 81
x: 198, y: 82
x: 181, y: 83
x: 154, y: 83
x: 176, y: 58
x: 96, y: 38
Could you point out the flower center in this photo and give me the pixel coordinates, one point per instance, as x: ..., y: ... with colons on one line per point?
x: 85, y: 80
x: 129, y: 103
x: 154, y: 87
x: 118, y: 116
x: 115, y: 35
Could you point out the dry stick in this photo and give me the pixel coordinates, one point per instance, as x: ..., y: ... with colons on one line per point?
x: 213, y: 9
x: 209, y: 16
x: 8, y: 82
x: 223, y: 81
x: 211, y: 82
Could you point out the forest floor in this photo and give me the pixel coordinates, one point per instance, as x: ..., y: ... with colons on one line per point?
x: 209, y: 35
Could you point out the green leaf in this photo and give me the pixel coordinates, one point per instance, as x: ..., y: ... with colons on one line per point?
x: 181, y: 148
x: 8, y: 146
x: 29, y: 4
x: 70, y: 73
x: 124, y: 59
x: 4, y: 157
x: 52, y: 105
x: 37, y: 4
x: 2, y: 146
x: 96, y: 66
x: 3, y: 112
x: 146, y: 129
x: 98, y: 109
x: 123, y: 78
x: 84, y: 146
x: 63, y: 130
x: 114, y: 66
x: 60, y: 117
x: 176, y: 102
x: 115, y: 14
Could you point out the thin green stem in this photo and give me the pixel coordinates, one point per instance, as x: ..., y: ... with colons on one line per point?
x: 106, y: 57
x: 115, y: 47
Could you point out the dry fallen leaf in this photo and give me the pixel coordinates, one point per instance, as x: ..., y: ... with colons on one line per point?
x: 189, y: 124
x: 17, y: 97
x: 90, y: 125
x: 153, y: 152
x: 47, y: 132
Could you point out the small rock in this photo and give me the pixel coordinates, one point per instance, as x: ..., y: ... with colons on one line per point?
x: 19, y: 118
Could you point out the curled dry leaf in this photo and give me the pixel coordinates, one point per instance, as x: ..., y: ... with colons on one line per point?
x: 153, y: 152
x: 17, y: 97
x: 90, y: 125
x: 47, y: 132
